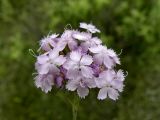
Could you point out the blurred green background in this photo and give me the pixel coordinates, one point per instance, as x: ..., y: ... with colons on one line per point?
x: 131, y: 25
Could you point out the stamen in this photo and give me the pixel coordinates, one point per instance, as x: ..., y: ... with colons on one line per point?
x: 68, y: 26
x: 32, y: 53
x: 34, y: 74
x: 120, y: 52
x: 126, y: 74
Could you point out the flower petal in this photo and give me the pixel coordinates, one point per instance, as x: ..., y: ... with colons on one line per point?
x: 98, y: 58
x: 75, y: 56
x: 83, y: 25
x: 82, y: 36
x: 53, y: 69
x: 87, y: 71
x: 116, y: 60
x: 59, y: 81
x: 45, y: 44
x: 100, y: 82
x: 72, y: 45
x: 69, y: 64
x: 86, y: 60
x: 117, y: 84
x: 111, y: 53
x: 120, y: 75
x: 107, y: 75
x: 90, y: 82
x: 112, y: 93
x: 61, y: 45
x: 72, y: 85
x: 53, y: 36
x: 72, y: 73
x: 44, y: 82
x: 43, y: 69
x: 96, y: 40
x: 60, y: 60
x: 92, y: 28
x: 45, y: 47
x: 102, y: 93
x: 53, y: 54
x: 96, y: 49
x: 79, y: 36
x: 108, y: 62
x: 42, y: 59
x: 82, y: 92
x: 89, y: 27
x: 67, y: 34
x: 85, y: 46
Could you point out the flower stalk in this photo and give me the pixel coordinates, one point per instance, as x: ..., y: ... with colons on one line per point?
x: 75, y: 106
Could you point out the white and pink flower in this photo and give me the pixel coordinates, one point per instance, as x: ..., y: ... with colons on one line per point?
x: 77, y: 61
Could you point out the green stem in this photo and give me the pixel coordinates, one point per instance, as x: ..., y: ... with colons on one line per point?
x: 75, y: 106
x: 74, y: 112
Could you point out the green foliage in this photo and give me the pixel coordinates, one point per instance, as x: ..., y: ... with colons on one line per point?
x: 131, y: 25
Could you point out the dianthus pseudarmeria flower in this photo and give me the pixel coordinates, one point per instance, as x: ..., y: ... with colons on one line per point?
x: 78, y: 61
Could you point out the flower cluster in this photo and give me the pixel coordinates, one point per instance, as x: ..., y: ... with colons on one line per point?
x: 77, y: 61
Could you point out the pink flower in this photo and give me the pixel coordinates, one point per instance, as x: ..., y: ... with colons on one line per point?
x: 45, y: 82
x: 109, y: 86
x: 86, y: 40
x: 49, y: 62
x: 81, y: 84
x: 105, y: 56
x: 67, y: 39
x: 78, y: 63
x: 48, y: 41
